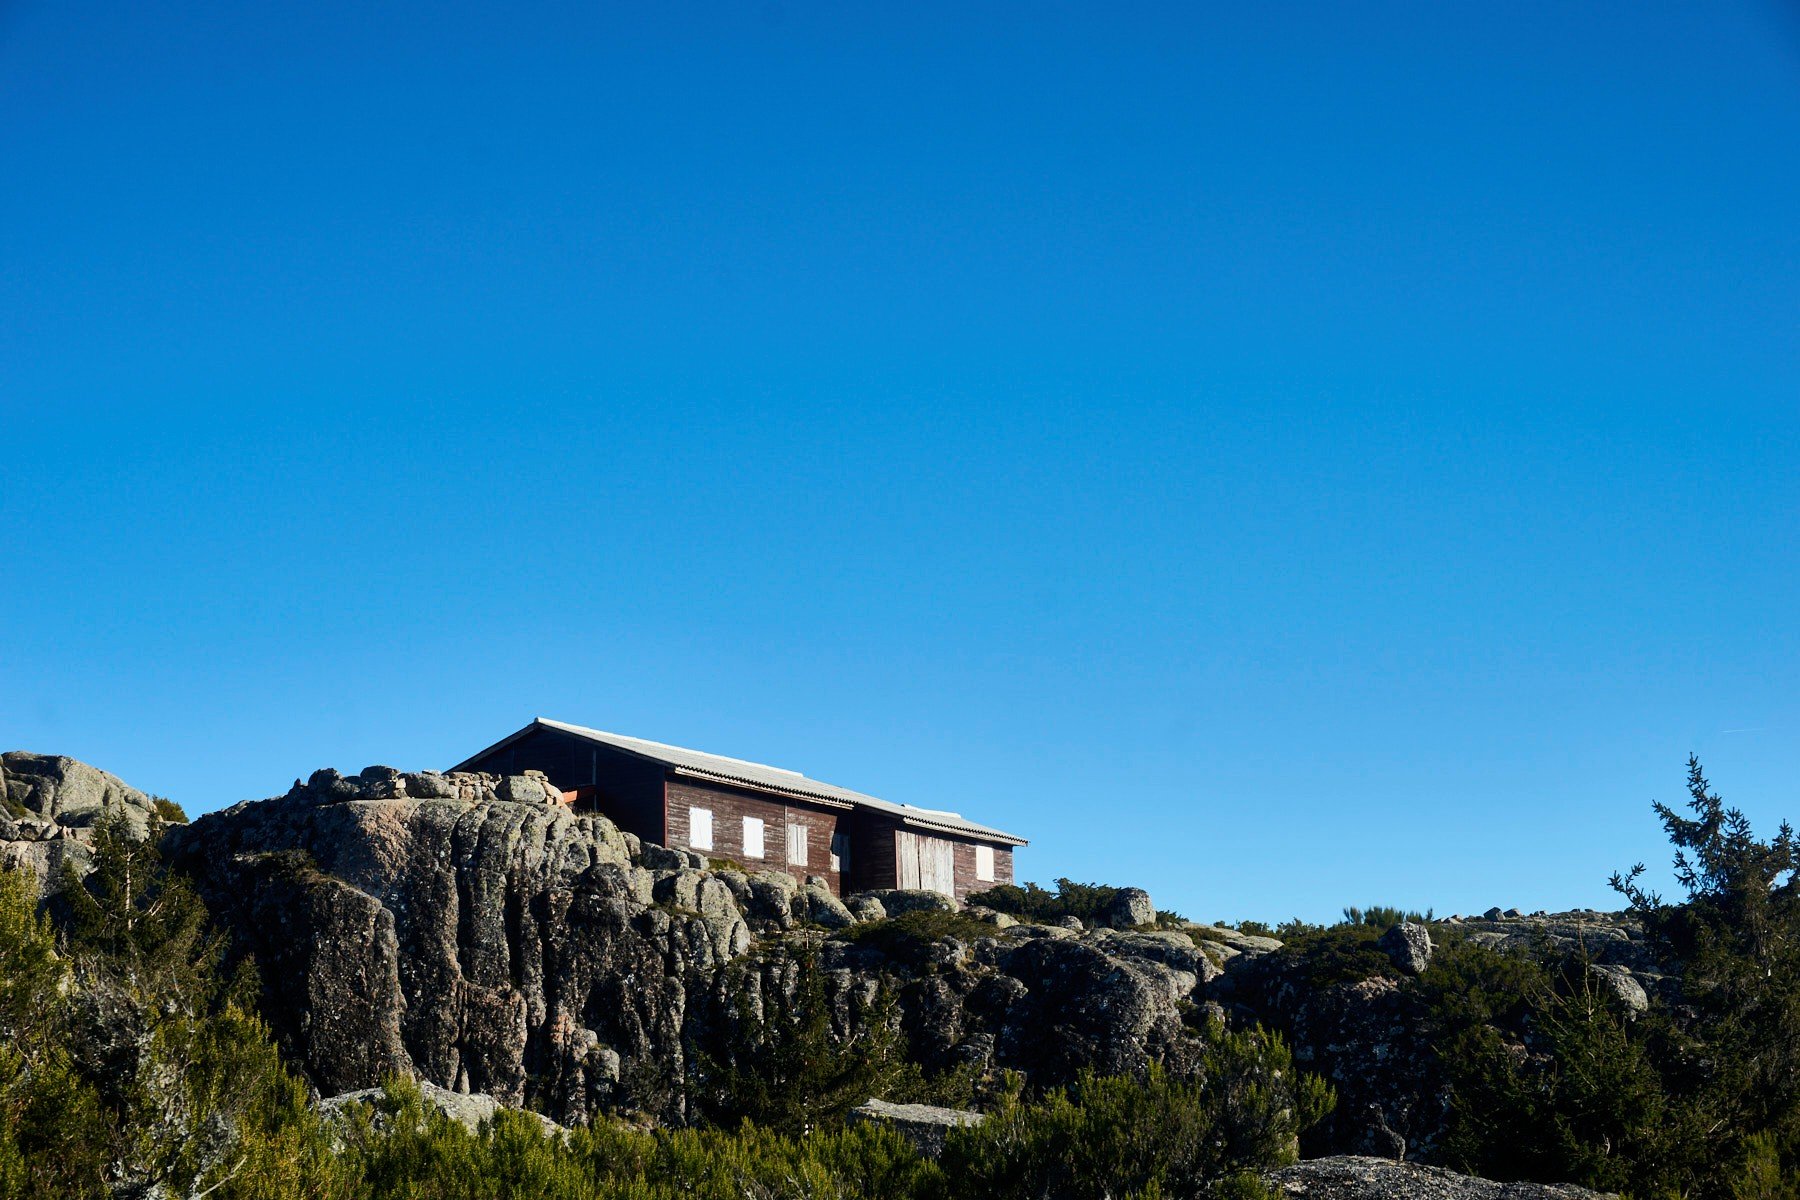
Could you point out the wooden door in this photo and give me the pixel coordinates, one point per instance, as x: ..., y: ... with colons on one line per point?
x: 927, y: 863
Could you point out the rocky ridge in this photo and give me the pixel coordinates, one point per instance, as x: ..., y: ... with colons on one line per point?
x: 475, y: 934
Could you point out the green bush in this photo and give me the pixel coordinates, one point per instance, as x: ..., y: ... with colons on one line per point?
x: 128, y: 1065
x: 1320, y: 956
x: 1553, y: 1079
x: 1382, y: 916
x: 1087, y: 902
x: 908, y: 937
x: 778, y: 1060
x: 1155, y: 1136
x: 402, y: 1147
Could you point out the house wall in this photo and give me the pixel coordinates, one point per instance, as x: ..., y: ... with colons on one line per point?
x: 966, y: 883
x: 730, y: 805
x: 875, y: 857
x: 628, y: 789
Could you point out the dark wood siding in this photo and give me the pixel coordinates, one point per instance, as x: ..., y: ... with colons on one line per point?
x: 966, y: 883
x: 629, y: 789
x: 875, y: 857
x: 729, y: 806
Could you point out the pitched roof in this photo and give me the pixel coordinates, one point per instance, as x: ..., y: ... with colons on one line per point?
x: 760, y: 777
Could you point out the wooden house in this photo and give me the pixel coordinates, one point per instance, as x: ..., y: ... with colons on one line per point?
x: 765, y: 818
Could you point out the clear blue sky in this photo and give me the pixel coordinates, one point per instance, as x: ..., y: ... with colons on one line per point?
x: 1287, y: 458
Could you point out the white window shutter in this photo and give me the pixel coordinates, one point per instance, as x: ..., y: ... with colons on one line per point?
x: 753, y: 837
x: 840, y: 852
x: 700, y: 829
x: 984, y: 863
x: 796, y: 839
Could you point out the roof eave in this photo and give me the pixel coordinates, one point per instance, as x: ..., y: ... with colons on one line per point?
x: 754, y: 786
x: 974, y: 835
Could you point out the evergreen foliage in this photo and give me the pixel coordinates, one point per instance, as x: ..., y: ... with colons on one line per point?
x: 1156, y: 1136
x: 782, y: 1064
x: 128, y: 1065
x: 909, y: 936
x: 167, y: 811
x: 1382, y: 916
x: 1698, y: 1097
x: 1087, y: 902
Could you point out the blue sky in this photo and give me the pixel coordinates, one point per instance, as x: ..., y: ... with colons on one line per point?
x: 1287, y: 459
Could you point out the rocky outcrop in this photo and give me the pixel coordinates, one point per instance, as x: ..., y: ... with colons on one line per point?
x: 1371, y: 1035
x: 1601, y: 937
x: 924, y: 1125
x: 1361, y: 1178
x: 468, y: 930
x: 48, y: 808
x: 474, y: 933
x: 470, y: 1110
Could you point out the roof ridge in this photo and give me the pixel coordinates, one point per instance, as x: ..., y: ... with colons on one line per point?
x: 626, y: 737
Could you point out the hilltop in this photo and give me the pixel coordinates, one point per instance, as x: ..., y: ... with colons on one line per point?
x: 474, y: 934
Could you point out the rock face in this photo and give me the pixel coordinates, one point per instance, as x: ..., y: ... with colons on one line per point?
x: 48, y: 808
x: 1350, y: 1178
x: 467, y: 930
x: 474, y: 933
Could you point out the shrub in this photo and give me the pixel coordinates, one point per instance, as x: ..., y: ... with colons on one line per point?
x: 1346, y: 953
x: 1553, y: 1079
x: 777, y: 1059
x: 1154, y: 1136
x: 908, y: 937
x: 1087, y: 902
x: 1382, y: 916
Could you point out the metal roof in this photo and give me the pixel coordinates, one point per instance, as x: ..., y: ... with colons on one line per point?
x: 761, y: 777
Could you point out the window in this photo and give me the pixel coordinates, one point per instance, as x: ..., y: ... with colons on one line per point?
x: 840, y: 852
x: 700, y: 829
x: 796, y: 844
x: 753, y: 837
x: 984, y: 863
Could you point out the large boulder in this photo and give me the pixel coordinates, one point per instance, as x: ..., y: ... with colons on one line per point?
x: 49, y: 806
x: 1130, y: 908
x: 924, y: 1125
x: 1621, y: 983
x: 896, y: 901
x: 470, y: 1110
x: 1408, y: 947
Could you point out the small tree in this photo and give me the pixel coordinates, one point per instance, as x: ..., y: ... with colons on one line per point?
x: 1158, y: 1135
x: 1731, y: 1052
x: 786, y: 1066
